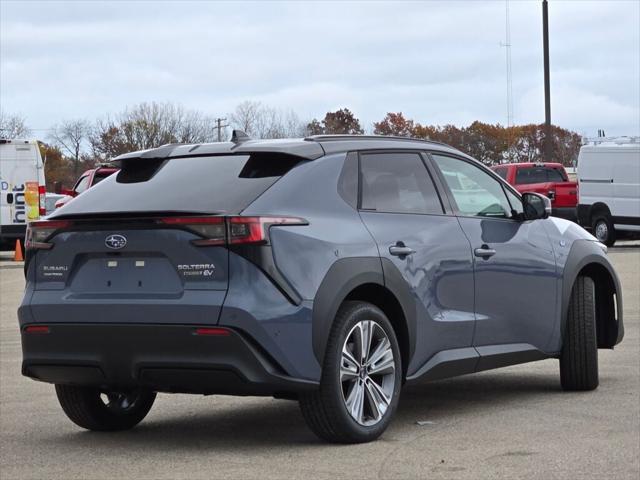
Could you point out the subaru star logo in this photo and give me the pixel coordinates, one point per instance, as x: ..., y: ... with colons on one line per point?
x: 115, y: 242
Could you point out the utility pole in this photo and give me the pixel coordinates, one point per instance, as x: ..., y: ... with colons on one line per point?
x: 220, y: 126
x: 507, y: 45
x: 547, y: 83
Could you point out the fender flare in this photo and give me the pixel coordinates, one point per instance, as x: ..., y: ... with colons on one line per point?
x: 344, y: 276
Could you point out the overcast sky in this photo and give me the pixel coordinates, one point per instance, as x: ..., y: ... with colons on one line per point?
x: 437, y: 62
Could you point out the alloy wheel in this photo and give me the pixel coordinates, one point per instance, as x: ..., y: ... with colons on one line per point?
x: 367, y: 372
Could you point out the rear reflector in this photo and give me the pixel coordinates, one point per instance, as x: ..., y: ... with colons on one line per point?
x: 36, y: 329
x: 212, y: 331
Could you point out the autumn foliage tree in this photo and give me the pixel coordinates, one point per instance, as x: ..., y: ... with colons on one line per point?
x: 490, y: 143
x: 341, y: 121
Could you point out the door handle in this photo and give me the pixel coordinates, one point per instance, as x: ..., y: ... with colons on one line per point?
x: 484, y: 251
x: 400, y: 250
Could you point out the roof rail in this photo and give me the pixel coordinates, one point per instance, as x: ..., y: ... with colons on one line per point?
x: 346, y: 136
x: 621, y: 140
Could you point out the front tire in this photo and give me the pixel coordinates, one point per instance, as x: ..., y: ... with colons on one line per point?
x: 579, y: 357
x: 97, y: 410
x: 361, y: 378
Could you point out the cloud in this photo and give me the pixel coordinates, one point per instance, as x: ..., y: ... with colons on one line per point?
x: 438, y: 62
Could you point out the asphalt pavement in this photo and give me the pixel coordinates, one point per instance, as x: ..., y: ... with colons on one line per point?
x: 510, y: 423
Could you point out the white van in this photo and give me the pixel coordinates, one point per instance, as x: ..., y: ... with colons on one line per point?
x: 22, y: 188
x: 609, y: 187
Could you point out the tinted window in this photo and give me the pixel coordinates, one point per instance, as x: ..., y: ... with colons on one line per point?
x: 526, y: 175
x: 555, y: 175
x: 99, y: 176
x: 502, y: 172
x: 397, y: 183
x: 216, y: 184
x: 475, y: 191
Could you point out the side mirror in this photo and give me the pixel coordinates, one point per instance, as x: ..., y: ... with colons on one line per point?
x: 66, y: 191
x: 535, y: 206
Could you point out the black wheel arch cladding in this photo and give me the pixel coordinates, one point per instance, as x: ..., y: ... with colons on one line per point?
x: 344, y: 276
x: 587, y: 257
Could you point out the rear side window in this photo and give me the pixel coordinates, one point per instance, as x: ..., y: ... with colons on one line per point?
x: 397, y: 183
x: 213, y: 184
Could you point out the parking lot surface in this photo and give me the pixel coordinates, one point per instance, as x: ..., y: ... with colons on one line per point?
x: 509, y: 423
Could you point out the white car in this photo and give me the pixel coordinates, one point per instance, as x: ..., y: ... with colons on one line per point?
x: 22, y: 188
x: 609, y: 187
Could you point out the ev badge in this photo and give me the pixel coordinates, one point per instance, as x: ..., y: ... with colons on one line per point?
x: 115, y: 242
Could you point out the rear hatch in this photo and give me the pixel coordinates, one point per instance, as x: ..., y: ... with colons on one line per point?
x: 147, y: 244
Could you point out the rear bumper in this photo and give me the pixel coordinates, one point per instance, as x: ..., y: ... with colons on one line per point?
x: 568, y: 213
x: 164, y: 358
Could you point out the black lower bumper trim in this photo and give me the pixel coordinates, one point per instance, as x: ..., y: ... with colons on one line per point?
x: 164, y: 358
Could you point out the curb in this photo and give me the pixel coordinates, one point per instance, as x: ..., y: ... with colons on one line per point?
x: 12, y: 265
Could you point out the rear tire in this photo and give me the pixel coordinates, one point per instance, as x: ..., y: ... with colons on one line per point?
x: 359, y: 392
x: 579, y: 358
x: 97, y: 410
x: 603, y: 229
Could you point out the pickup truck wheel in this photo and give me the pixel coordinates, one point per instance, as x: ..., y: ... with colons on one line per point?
x: 361, y: 378
x: 98, y: 410
x: 579, y: 357
x: 603, y: 229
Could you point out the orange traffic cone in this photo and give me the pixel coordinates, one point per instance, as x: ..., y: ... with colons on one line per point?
x: 17, y: 254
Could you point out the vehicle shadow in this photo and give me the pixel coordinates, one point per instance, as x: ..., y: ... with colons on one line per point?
x: 266, y: 423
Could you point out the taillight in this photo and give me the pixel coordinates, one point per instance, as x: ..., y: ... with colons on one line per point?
x: 42, y: 194
x: 256, y: 229
x: 212, y: 228
x: 39, y: 232
x: 231, y: 230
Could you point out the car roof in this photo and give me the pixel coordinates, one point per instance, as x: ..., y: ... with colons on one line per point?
x: 309, y: 148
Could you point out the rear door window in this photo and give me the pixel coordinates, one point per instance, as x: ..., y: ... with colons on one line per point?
x: 397, y: 183
x: 212, y: 184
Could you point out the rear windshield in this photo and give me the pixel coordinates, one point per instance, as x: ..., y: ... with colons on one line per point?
x: 214, y: 184
x: 526, y: 175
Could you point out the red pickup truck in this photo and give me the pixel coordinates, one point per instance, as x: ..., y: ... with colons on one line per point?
x: 87, y: 179
x: 549, y: 179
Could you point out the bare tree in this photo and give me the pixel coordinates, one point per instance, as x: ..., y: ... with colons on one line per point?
x: 13, y: 126
x: 150, y: 125
x: 262, y: 121
x: 71, y: 136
